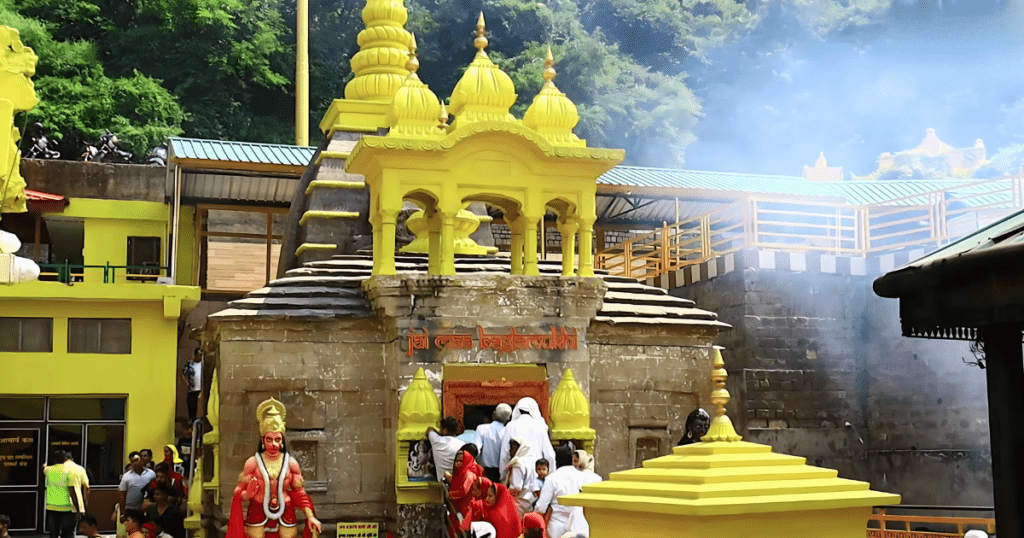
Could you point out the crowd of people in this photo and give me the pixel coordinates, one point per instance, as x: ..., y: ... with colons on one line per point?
x: 500, y: 480
x: 151, y: 496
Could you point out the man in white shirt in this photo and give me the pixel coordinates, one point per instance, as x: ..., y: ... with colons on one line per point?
x: 490, y: 441
x: 445, y: 445
x: 566, y: 480
x: 134, y: 481
x: 192, y: 375
x: 528, y: 423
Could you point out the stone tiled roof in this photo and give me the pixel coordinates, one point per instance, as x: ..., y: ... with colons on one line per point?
x: 332, y: 289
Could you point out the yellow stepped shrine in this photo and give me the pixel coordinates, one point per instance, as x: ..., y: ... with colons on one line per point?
x: 725, y: 487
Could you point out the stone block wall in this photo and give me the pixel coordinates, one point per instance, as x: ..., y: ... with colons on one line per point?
x: 810, y: 353
x: 340, y: 424
x: 644, y: 381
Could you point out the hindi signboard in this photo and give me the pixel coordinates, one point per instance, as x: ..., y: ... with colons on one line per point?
x: 19, y: 457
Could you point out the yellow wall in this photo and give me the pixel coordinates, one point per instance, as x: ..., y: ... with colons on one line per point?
x: 147, y: 376
x: 109, y: 223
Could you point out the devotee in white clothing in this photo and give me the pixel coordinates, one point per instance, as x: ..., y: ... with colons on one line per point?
x: 527, y: 423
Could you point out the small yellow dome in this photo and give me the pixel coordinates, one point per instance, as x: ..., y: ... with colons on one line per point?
x: 552, y: 114
x: 419, y: 407
x: 415, y: 109
x: 485, y: 92
x: 570, y: 410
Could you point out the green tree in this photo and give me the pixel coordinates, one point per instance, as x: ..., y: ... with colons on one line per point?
x: 78, y: 101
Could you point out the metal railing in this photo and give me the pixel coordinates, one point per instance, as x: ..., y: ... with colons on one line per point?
x: 66, y: 272
x: 929, y: 219
x: 883, y: 524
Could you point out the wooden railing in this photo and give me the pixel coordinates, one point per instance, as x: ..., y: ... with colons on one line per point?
x: 882, y: 524
x: 774, y: 223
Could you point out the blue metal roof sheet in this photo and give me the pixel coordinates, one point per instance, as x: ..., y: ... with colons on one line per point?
x: 242, y: 152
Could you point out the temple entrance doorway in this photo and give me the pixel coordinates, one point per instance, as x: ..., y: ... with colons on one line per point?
x: 470, y: 392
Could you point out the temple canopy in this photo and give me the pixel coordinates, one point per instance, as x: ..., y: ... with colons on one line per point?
x: 525, y: 168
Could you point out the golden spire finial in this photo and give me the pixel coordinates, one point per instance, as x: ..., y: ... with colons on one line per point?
x: 549, y: 73
x: 443, y: 117
x: 721, y: 427
x: 481, y: 35
x: 413, y: 63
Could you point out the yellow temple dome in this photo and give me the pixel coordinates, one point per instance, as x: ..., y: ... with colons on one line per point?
x: 484, y: 92
x: 552, y: 114
x: 419, y: 407
x: 415, y: 109
x: 570, y: 410
x: 379, y: 66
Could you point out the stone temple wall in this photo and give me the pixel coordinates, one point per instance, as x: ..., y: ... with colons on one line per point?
x: 811, y: 352
x: 644, y: 382
x: 340, y: 412
x: 342, y: 380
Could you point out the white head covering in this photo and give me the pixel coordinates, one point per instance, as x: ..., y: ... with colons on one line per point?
x: 520, y: 457
x: 527, y: 407
x: 976, y: 534
x: 586, y: 460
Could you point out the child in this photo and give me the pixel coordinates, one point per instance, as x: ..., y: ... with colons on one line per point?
x: 133, y: 521
x: 542, y: 472
x: 4, y: 523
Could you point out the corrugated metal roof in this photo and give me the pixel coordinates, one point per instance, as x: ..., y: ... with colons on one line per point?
x: 240, y: 152
x: 639, y: 176
x: 227, y: 187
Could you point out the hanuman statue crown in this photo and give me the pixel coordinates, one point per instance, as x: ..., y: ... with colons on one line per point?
x: 271, y: 414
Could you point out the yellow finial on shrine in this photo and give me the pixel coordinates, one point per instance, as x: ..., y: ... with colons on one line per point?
x: 412, y: 65
x: 443, y: 117
x: 414, y: 110
x: 549, y: 68
x: 485, y: 92
x: 481, y: 36
x: 379, y: 66
x: 721, y: 427
x: 552, y: 114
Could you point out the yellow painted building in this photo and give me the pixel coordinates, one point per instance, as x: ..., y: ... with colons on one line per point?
x: 89, y: 353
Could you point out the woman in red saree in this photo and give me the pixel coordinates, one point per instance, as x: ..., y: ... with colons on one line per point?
x: 499, y: 509
x: 461, y: 482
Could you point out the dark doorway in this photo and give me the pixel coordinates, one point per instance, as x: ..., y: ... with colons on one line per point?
x: 475, y: 415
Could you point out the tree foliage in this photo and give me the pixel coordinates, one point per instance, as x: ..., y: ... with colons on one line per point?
x: 78, y: 100
x: 224, y: 69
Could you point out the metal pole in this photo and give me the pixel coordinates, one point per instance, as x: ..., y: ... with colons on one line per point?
x: 302, y: 73
x: 174, y: 224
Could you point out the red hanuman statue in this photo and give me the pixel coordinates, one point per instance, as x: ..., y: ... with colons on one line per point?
x: 271, y: 482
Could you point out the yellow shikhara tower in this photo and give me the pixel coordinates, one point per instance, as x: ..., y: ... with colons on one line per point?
x: 524, y: 167
x: 725, y: 487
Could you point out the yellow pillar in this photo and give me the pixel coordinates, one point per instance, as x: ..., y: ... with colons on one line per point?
x: 530, y: 246
x: 302, y: 73
x: 516, y: 227
x: 568, y: 229
x: 447, y: 251
x: 434, y: 237
x: 384, y: 250
x: 587, y: 246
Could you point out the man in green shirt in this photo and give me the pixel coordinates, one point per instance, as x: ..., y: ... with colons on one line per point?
x: 60, y: 515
